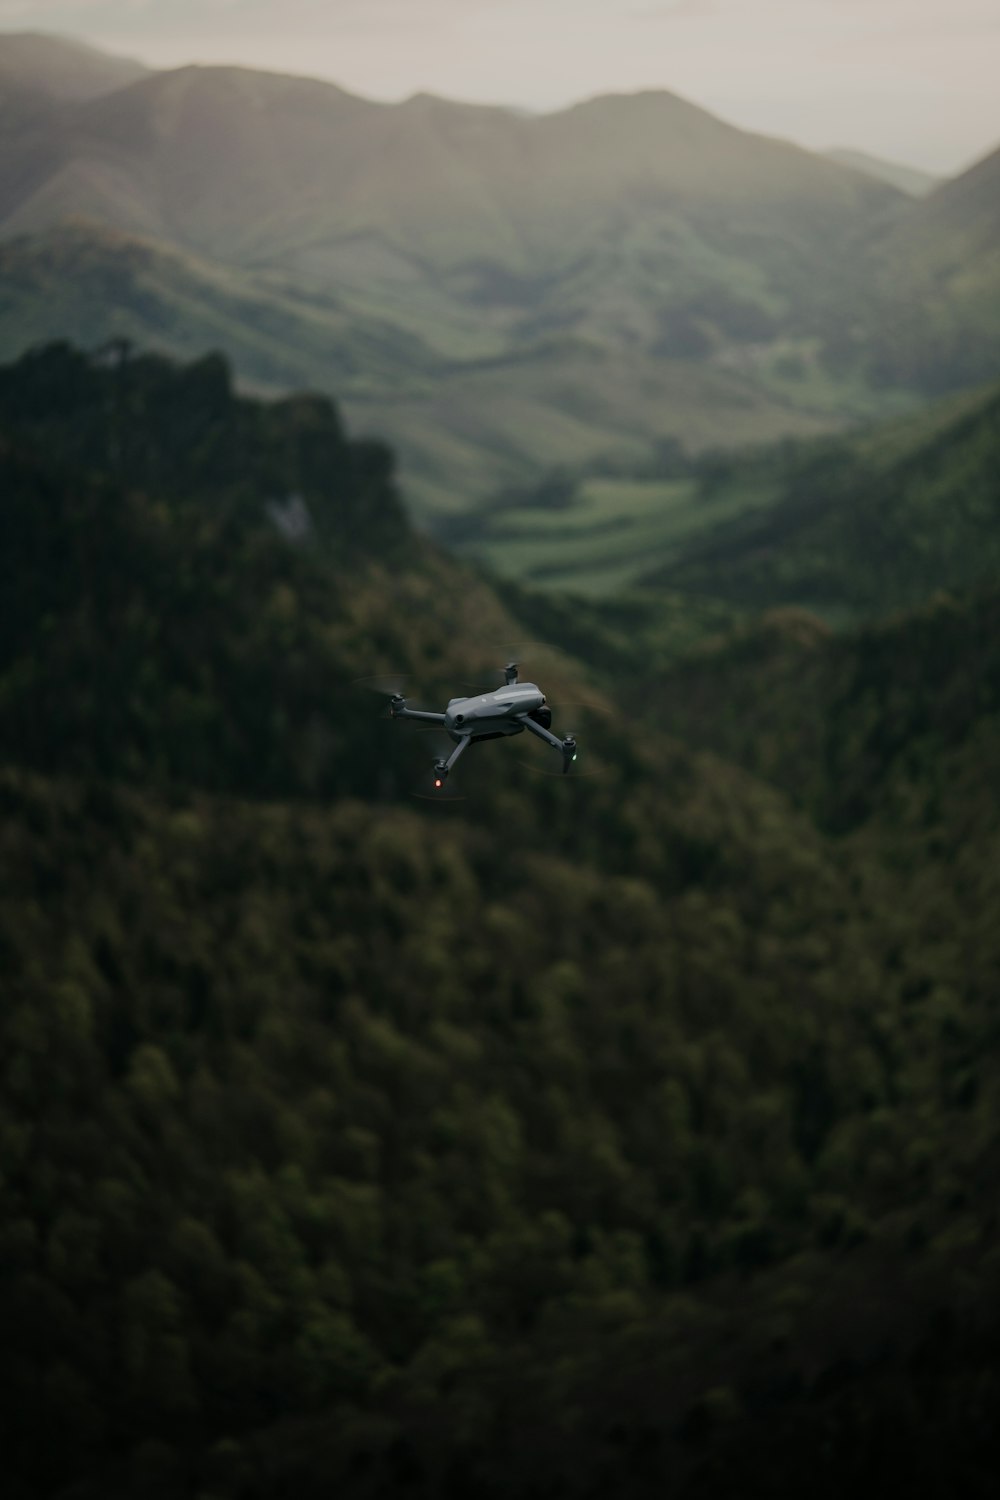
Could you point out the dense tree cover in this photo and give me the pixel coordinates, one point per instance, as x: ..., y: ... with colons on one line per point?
x: 168, y: 603
x: 586, y: 1137
x: 182, y: 434
x: 855, y: 527
x: 335, y: 1153
x: 871, y: 725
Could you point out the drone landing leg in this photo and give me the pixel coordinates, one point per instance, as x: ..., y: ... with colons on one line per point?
x: 566, y: 747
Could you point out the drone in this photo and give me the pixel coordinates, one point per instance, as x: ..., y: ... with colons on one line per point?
x: 511, y: 709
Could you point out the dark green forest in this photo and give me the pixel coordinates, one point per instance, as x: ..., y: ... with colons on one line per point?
x: 615, y: 1135
x: 857, y: 527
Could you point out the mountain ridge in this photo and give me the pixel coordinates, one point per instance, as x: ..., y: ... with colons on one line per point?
x: 911, y: 180
x: 62, y: 69
x: 634, y: 253
x: 169, y: 104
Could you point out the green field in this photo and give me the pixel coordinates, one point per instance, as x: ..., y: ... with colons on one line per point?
x: 614, y: 531
x: 812, y: 524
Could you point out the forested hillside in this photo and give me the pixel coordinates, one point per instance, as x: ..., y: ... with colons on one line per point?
x: 590, y: 1136
x: 932, y: 311
x: 854, y: 528
x: 94, y: 285
x: 893, y: 723
x: 851, y: 527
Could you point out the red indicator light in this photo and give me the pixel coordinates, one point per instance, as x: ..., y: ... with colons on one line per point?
x: 437, y: 783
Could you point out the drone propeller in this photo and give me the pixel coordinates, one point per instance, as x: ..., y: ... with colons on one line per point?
x: 388, y: 684
x: 503, y: 648
x: 498, y: 655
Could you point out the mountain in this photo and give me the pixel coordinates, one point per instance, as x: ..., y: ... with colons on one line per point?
x: 55, y: 70
x: 909, y: 180
x: 930, y: 314
x: 851, y: 527
x: 891, y: 730
x: 296, y: 172
x: 503, y: 295
x: 90, y: 284
x: 40, y: 73
x: 462, y: 429
x: 583, y: 283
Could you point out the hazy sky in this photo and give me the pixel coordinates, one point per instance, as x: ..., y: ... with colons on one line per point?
x: 915, y: 80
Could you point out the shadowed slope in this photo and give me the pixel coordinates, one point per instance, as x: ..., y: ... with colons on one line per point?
x: 932, y: 310
x: 860, y: 526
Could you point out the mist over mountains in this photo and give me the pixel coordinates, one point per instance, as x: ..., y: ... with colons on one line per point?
x: 38, y: 70
x: 910, y: 180
x: 562, y: 289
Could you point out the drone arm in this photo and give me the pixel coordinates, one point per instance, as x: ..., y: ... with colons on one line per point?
x: 566, y: 747
x: 543, y: 734
x: 417, y: 713
x: 445, y: 766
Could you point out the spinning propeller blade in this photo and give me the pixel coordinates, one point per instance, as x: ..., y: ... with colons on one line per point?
x: 532, y: 657
x: 388, y: 684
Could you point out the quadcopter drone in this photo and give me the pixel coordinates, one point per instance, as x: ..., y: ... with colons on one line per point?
x: 512, y: 709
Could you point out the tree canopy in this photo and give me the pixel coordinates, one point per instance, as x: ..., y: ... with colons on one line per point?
x: 586, y: 1137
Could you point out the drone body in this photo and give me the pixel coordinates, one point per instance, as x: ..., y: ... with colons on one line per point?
x: 512, y: 709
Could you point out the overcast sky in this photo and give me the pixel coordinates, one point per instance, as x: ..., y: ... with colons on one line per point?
x: 913, y: 80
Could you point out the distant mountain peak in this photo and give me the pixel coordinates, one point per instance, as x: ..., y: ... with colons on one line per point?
x: 62, y: 69
x: 427, y: 106
x: 662, y: 101
x: 909, y: 180
x: 27, y: 44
